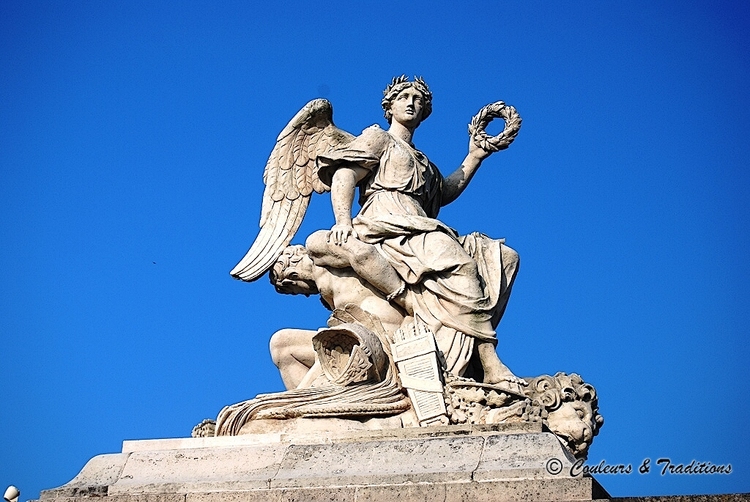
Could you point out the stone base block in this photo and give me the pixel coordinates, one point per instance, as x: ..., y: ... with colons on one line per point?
x: 497, y: 463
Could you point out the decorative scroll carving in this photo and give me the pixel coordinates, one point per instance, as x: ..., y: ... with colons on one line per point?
x: 415, y: 355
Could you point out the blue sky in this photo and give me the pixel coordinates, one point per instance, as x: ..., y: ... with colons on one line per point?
x: 132, y: 141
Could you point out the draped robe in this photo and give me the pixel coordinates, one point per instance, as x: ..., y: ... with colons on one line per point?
x: 457, y: 285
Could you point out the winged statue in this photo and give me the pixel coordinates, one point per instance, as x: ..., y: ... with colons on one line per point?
x: 414, y: 304
x: 395, y: 243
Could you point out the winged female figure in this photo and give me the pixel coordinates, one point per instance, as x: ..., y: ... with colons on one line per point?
x: 419, y: 264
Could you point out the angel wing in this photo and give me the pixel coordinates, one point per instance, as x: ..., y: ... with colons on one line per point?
x: 290, y: 178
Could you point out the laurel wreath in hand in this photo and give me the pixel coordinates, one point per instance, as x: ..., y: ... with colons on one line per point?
x: 486, y: 115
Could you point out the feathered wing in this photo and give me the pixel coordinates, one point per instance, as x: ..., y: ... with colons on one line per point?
x: 290, y: 178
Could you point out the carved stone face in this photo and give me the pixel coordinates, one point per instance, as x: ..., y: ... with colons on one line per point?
x: 574, y: 422
x: 297, y: 278
x: 406, y: 108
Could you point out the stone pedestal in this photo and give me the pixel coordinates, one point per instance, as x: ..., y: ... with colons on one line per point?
x: 492, y: 463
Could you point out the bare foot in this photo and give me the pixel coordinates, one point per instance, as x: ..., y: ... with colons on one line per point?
x: 494, y: 370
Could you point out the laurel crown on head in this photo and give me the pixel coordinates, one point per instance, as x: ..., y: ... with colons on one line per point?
x: 397, y: 85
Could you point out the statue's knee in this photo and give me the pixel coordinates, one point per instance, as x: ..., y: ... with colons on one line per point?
x: 279, y: 345
x: 317, y: 243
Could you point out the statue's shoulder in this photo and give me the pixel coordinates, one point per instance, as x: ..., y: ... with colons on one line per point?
x: 375, y: 136
x: 375, y: 132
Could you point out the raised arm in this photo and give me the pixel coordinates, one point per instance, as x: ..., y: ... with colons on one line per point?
x: 458, y: 180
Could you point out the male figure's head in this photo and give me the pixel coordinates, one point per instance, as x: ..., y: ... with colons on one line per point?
x: 292, y: 274
x: 401, y: 90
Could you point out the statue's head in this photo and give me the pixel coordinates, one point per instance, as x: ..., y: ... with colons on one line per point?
x: 397, y: 86
x: 572, y: 409
x: 292, y: 272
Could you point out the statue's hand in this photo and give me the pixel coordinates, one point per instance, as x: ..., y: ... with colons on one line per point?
x: 339, y: 234
x: 477, y: 152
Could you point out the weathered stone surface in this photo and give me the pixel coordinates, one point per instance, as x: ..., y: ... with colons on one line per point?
x: 199, y: 469
x: 380, y: 462
x: 501, y: 463
x: 94, y: 479
x: 520, y: 456
x: 442, y: 463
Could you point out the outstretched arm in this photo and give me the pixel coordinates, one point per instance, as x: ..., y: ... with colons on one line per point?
x: 456, y: 183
